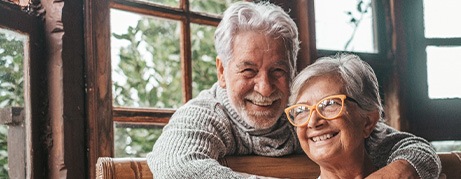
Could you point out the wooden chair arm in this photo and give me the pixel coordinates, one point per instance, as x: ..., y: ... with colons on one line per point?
x: 113, y: 168
x: 451, y: 164
x: 291, y: 166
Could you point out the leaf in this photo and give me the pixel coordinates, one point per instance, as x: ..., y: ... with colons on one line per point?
x: 359, y: 6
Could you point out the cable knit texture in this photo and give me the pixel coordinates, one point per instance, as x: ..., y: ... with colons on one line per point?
x: 386, y: 145
x: 208, y: 128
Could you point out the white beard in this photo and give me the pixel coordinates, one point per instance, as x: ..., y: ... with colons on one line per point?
x: 256, y: 119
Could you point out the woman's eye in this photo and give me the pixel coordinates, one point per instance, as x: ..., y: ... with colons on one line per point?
x: 300, y: 110
x: 329, y: 103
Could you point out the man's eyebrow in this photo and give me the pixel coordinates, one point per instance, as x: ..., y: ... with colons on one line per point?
x: 245, y: 63
x: 283, y: 62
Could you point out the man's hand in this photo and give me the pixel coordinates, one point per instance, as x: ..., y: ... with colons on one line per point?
x: 396, y: 169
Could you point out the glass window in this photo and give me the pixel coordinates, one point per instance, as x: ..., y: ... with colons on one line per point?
x: 442, y: 30
x: 148, y: 54
x: 12, y: 48
x: 345, y: 26
x: 134, y: 141
x: 3, y: 151
x: 446, y: 145
x: 11, y: 68
x: 203, y: 58
x: 145, y: 61
x: 441, y: 18
x: 210, y: 6
x: 443, y: 72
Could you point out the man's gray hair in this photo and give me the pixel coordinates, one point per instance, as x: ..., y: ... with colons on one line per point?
x: 358, y: 77
x: 263, y: 17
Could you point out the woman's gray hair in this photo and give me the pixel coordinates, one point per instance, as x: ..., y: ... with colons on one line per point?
x: 358, y: 77
x: 263, y: 17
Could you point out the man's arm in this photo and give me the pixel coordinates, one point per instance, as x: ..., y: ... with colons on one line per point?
x: 396, y: 169
x: 189, y: 146
x: 402, y: 154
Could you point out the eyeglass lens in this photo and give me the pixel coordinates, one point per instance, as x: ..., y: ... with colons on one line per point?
x: 328, y: 108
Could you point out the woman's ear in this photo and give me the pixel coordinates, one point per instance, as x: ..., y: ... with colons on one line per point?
x: 220, y: 72
x: 370, y: 122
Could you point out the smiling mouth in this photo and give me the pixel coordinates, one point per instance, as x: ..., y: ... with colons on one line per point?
x: 323, y: 137
x: 261, y: 103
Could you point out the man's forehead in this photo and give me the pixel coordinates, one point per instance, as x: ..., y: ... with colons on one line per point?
x: 277, y: 63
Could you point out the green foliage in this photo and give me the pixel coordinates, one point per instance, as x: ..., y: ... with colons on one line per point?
x: 3, y: 152
x: 135, y: 142
x: 203, y: 58
x: 11, y: 87
x: 153, y: 79
x: 11, y: 71
x: 210, y: 6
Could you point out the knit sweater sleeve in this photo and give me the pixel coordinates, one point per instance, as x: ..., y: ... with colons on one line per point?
x: 190, y: 144
x: 386, y: 145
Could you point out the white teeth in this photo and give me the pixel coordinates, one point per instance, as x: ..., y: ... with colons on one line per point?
x: 262, y: 103
x: 321, y: 138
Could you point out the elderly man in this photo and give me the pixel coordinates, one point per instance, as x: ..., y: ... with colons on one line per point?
x: 257, y: 45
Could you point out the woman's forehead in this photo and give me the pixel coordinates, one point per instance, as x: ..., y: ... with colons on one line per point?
x: 319, y: 87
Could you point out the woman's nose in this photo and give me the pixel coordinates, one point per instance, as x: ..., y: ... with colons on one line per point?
x: 315, y: 121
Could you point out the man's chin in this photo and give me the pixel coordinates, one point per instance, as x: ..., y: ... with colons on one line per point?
x: 260, y: 122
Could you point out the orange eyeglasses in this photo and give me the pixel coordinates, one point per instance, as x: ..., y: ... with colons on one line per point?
x: 328, y: 108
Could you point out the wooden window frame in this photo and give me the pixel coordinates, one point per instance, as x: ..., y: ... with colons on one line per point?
x: 379, y: 61
x: 101, y: 113
x: 432, y: 119
x: 391, y: 52
x: 35, y: 110
x: 185, y: 17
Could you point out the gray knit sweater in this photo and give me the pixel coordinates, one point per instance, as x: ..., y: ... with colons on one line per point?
x: 207, y: 128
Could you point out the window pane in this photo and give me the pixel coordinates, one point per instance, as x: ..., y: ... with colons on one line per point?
x: 203, y: 58
x: 441, y: 18
x: 345, y: 25
x: 210, y: 6
x: 131, y: 141
x: 446, y: 146
x: 11, y: 84
x: 443, y: 72
x: 3, y: 151
x: 145, y: 61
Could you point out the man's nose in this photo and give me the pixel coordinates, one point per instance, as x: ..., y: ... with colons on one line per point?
x: 264, y: 85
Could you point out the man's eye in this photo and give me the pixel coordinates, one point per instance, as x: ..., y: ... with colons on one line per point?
x: 279, y: 72
x: 248, y: 72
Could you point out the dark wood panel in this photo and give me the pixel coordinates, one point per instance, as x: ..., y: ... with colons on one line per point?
x: 99, y: 84
x: 143, y: 116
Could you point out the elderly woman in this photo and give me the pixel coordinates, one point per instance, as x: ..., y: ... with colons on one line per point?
x: 336, y: 108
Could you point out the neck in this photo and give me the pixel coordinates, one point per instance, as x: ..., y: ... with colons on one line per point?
x: 355, y: 167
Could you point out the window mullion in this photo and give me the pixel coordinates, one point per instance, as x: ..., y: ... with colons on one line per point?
x: 186, y: 59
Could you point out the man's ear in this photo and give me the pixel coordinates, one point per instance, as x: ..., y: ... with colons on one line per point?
x: 370, y: 122
x: 220, y: 70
